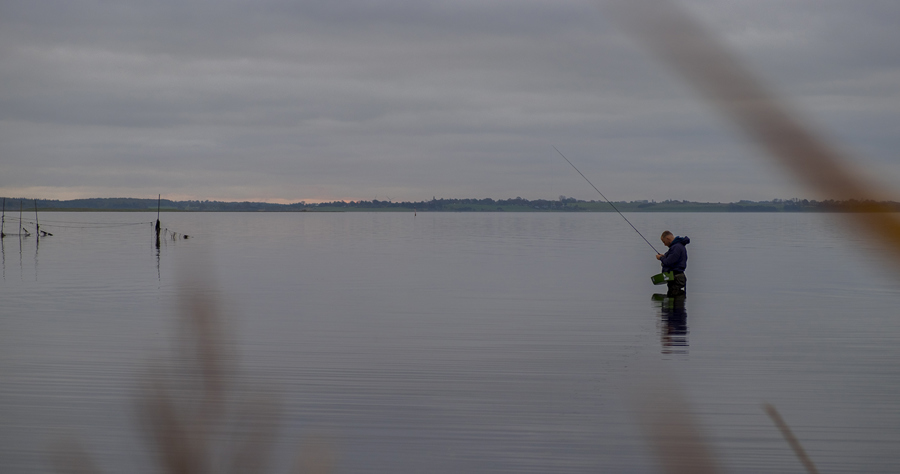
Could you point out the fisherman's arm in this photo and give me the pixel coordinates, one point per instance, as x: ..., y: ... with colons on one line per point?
x: 671, y: 257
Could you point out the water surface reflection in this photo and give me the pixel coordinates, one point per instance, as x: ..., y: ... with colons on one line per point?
x: 673, y: 326
x: 437, y: 346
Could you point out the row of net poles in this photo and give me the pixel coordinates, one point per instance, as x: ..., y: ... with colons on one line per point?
x: 37, y: 225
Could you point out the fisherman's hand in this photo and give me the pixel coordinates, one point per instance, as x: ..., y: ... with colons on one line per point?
x: 659, y: 256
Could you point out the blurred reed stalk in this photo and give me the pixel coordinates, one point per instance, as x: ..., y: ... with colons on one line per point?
x: 790, y: 438
x: 671, y: 430
x: 192, y: 418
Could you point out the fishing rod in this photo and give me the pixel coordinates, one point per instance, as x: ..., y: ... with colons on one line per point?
x: 607, y: 200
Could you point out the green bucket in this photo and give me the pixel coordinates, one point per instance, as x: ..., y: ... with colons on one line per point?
x: 662, y: 278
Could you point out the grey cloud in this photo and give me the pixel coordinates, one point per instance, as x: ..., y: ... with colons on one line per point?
x: 331, y: 100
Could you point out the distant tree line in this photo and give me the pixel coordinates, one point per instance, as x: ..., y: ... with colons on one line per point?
x: 518, y: 204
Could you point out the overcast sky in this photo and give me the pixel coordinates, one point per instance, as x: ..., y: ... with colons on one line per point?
x: 284, y: 101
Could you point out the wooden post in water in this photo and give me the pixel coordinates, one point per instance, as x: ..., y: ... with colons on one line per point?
x: 158, y: 200
x: 3, y: 219
x: 37, y: 225
x: 22, y: 227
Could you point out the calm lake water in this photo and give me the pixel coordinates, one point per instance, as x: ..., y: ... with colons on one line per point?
x: 462, y: 342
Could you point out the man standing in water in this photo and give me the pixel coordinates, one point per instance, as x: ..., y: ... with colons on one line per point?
x: 675, y: 261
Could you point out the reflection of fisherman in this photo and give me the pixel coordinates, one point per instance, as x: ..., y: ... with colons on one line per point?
x: 675, y: 261
x: 673, y: 315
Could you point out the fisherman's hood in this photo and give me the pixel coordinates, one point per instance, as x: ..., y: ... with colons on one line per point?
x: 681, y: 240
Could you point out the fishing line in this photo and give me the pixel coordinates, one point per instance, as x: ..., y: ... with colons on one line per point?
x: 90, y: 223
x: 607, y: 200
x: 97, y: 223
x: 93, y: 226
x: 85, y: 225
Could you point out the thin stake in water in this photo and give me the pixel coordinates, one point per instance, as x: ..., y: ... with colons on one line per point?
x: 158, y: 201
x: 607, y: 200
x: 37, y: 224
x: 20, y: 221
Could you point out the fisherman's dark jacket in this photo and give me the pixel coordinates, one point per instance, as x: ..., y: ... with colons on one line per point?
x: 675, y: 259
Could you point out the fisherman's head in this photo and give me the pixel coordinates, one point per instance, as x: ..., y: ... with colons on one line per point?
x: 667, y: 238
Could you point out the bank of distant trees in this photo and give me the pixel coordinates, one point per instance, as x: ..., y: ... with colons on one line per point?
x: 518, y: 204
